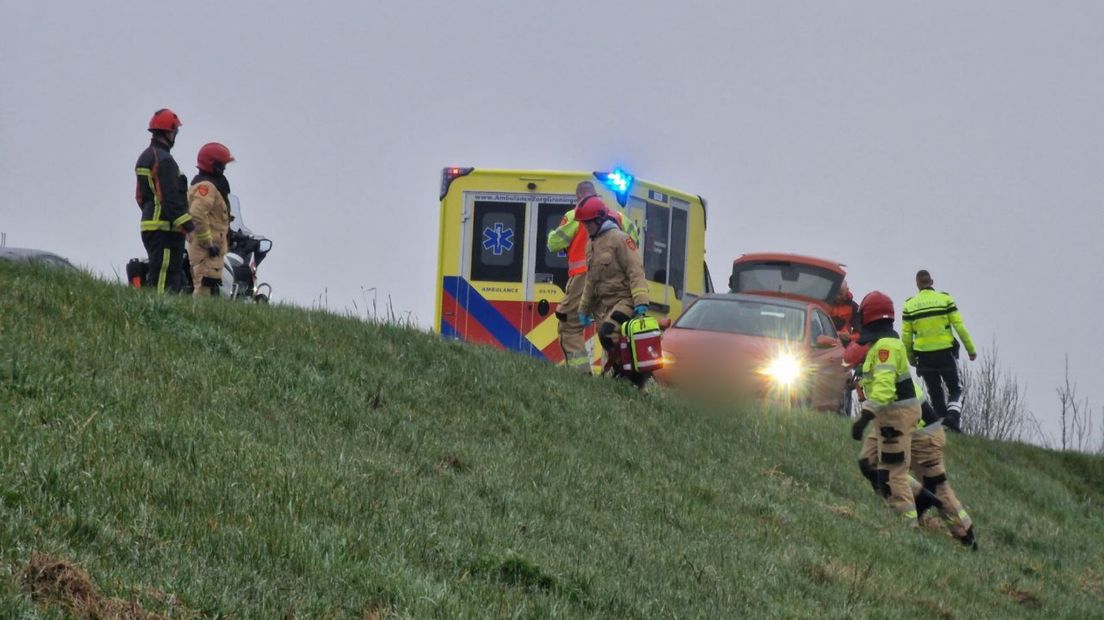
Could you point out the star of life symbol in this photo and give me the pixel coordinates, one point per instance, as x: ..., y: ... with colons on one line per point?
x: 498, y: 239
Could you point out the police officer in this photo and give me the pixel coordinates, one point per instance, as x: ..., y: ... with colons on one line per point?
x: 209, y: 206
x: 926, y: 323
x: 615, y: 288
x: 890, y: 402
x: 160, y: 194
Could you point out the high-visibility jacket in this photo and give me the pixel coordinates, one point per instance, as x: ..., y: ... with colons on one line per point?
x: 886, y: 378
x: 615, y: 272
x: 212, y: 220
x: 926, y: 322
x: 570, y: 235
x: 161, y: 191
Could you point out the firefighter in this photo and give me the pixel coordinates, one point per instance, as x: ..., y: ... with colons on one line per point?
x: 209, y: 206
x: 615, y: 288
x: 926, y: 323
x: 890, y: 401
x: 926, y: 444
x: 572, y: 237
x: 845, y: 314
x: 161, y: 195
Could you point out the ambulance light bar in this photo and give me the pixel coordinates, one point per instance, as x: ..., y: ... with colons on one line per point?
x: 619, y: 182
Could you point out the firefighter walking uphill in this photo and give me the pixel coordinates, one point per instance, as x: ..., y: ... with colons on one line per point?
x: 615, y: 288
x: 890, y: 401
x: 160, y: 194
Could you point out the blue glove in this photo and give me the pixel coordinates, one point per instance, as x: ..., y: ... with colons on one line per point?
x: 584, y: 319
x: 640, y: 310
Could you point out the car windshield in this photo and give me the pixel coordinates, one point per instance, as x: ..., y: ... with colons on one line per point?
x: 739, y: 316
x: 784, y: 277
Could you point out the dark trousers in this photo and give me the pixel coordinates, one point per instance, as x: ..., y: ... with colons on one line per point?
x: 939, y: 368
x: 165, y: 250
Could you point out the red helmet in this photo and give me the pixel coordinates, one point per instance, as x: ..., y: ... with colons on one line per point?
x: 165, y: 120
x: 876, y: 305
x: 589, y: 209
x: 213, y: 158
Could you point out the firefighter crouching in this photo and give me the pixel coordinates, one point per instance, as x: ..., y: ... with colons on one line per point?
x: 209, y: 206
x: 615, y: 288
x: 890, y: 400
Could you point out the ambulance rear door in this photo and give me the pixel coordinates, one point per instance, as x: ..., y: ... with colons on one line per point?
x: 513, y: 283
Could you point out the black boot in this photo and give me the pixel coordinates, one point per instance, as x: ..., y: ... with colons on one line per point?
x: 969, y: 540
x: 926, y: 500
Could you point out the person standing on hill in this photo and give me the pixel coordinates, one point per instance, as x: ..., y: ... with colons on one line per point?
x: 890, y: 401
x: 927, y: 320
x: 209, y: 206
x: 615, y: 288
x: 569, y: 236
x: 160, y: 194
x: 572, y: 237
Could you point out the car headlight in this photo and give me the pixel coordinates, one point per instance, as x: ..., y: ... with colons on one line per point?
x: 783, y: 369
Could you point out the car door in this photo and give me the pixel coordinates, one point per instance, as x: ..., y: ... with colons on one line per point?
x: 826, y: 362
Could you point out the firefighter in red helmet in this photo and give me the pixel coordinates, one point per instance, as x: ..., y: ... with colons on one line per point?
x: 209, y: 206
x: 890, y: 401
x: 615, y: 288
x: 160, y: 194
x: 571, y: 237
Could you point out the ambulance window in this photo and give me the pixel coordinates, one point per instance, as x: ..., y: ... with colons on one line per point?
x: 677, y: 269
x: 656, y: 232
x: 498, y: 241
x: 550, y: 266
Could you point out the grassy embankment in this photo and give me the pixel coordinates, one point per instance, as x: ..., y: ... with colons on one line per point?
x: 215, y: 460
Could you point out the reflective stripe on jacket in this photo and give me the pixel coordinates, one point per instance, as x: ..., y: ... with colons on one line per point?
x: 926, y: 322
x: 886, y: 377
x: 160, y: 191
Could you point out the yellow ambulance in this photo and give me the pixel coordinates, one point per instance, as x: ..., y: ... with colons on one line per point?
x: 497, y: 283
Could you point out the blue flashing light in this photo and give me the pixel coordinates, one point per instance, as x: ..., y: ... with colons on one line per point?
x: 619, y: 181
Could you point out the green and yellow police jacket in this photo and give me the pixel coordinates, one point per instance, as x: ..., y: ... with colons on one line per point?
x: 926, y: 323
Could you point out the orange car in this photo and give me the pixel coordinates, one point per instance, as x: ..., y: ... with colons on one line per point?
x: 787, y: 275
x: 758, y: 346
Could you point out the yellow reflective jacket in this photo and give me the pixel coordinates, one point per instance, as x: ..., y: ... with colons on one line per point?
x: 886, y: 377
x: 926, y: 322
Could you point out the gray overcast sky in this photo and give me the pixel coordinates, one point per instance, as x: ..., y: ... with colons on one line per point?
x: 962, y: 137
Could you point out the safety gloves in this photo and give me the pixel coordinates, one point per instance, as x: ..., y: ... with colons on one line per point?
x: 585, y: 319
x: 640, y: 310
x: 859, y: 426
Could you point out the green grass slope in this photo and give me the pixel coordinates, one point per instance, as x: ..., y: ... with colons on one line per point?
x: 203, y: 459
